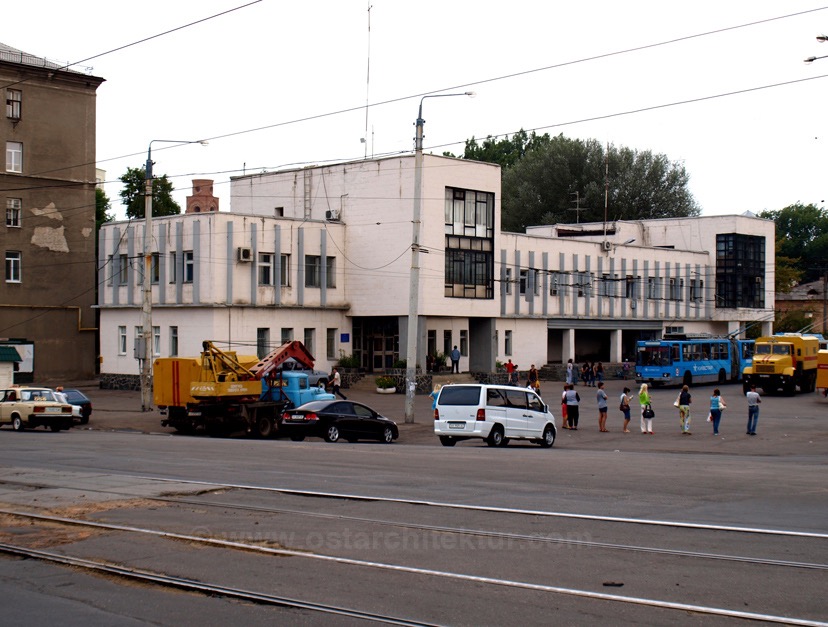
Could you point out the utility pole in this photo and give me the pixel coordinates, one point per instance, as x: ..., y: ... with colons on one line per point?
x: 577, y: 208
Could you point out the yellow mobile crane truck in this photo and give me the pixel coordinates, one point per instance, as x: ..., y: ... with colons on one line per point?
x: 783, y: 362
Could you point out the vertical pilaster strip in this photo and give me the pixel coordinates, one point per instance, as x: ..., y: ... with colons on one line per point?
x: 229, y: 265
x: 516, y: 276
x: 545, y: 284
x: 133, y: 263
x: 531, y: 278
x: 162, y: 263
x: 254, y: 263
x: 503, y: 284
x: 323, y: 268
x: 300, y: 270
x: 197, y: 265
x: 277, y: 265
x: 179, y: 263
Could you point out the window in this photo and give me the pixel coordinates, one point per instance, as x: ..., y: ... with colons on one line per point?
x: 262, y: 342
x: 287, y: 335
x: 469, y: 266
x: 14, y: 210
x: 507, y: 347
x: 554, y: 280
x: 469, y: 212
x: 189, y: 266
x: 447, y: 342
x: 464, y: 342
x: 173, y: 341
x: 508, y: 280
x: 630, y: 291
x: 13, y: 261
x: 122, y: 341
x: 740, y: 270
x: 330, y: 343
x: 696, y: 289
x: 14, y: 157
x: 676, y: 286
x: 155, y: 268
x: 123, y: 268
x: 529, y: 281
x: 310, y: 336
x: 156, y: 340
x: 651, y: 288
x: 284, y: 272
x: 14, y: 103
x: 265, y: 269
x: 313, y: 271
x: 173, y: 269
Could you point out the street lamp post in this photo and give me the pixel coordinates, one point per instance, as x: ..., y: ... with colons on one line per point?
x: 146, y: 306
x: 414, y: 277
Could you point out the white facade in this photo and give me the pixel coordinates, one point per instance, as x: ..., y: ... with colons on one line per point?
x: 324, y: 253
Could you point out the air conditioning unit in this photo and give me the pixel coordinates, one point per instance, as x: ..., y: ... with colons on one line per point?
x: 244, y: 254
x: 332, y: 214
x: 607, y: 246
x: 632, y: 304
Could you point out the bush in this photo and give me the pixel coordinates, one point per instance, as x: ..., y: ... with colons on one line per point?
x: 386, y: 382
x: 400, y: 364
x: 347, y: 361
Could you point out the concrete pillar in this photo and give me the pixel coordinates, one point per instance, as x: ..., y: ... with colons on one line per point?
x: 615, y: 345
x: 568, y: 345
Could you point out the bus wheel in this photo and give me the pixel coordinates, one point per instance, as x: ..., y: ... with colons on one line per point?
x: 688, y: 378
x: 722, y: 377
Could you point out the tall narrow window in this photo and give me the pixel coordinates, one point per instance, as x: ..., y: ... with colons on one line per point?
x: 156, y: 340
x: 310, y: 336
x: 13, y: 266
x: 14, y: 210
x: 447, y: 342
x: 464, y: 342
x: 330, y: 343
x: 14, y: 157
x: 262, y: 342
x: 122, y: 341
x: 265, y: 269
x: 284, y: 272
x: 173, y: 341
x: 287, y: 335
x: 14, y: 103
x: 155, y: 268
x: 330, y: 272
x: 507, y: 347
x: 508, y: 280
x: 312, y: 270
x: 123, y: 269
x: 189, y: 266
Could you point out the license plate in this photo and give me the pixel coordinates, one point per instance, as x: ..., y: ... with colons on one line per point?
x: 193, y: 414
x: 457, y: 425
x: 297, y: 419
x: 54, y: 410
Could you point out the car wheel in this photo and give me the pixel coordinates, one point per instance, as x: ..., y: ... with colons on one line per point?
x: 264, y: 427
x: 297, y: 438
x: 548, y: 437
x: 84, y: 420
x: 496, y: 436
x: 17, y: 423
x: 332, y: 434
x: 322, y: 384
x: 447, y: 440
x: 388, y: 435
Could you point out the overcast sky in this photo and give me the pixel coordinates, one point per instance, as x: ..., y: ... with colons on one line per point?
x: 273, y: 63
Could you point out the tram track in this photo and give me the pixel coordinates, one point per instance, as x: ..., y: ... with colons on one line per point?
x: 213, y: 588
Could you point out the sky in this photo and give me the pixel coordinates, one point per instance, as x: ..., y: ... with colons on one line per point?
x: 275, y: 84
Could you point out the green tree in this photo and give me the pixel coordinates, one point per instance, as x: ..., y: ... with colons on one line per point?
x: 802, y: 236
x: 102, y: 207
x: 542, y: 187
x: 132, y: 195
x: 788, y: 273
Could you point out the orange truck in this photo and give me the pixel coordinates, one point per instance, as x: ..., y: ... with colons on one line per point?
x: 785, y: 362
x: 221, y: 392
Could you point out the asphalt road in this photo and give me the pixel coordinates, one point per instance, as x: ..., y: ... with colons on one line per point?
x: 603, y: 527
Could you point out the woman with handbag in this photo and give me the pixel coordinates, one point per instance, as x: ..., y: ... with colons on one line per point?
x: 683, y: 403
x: 564, y: 415
x: 624, y: 406
x: 647, y: 413
x: 717, y: 404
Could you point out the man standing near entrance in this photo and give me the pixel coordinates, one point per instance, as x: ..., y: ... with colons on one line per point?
x: 455, y: 360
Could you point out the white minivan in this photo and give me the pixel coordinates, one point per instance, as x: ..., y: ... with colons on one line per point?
x: 495, y: 413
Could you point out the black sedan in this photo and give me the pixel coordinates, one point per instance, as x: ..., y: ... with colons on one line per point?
x: 79, y: 399
x: 335, y: 420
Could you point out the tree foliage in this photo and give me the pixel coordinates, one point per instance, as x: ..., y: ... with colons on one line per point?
x: 545, y: 179
x: 801, y: 237
x: 102, y: 207
x: 132, y: 195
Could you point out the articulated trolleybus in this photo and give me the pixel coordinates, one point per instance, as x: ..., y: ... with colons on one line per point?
x: 685, y: 360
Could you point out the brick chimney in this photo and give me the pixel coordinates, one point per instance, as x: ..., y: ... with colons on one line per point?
x: 202, y: 200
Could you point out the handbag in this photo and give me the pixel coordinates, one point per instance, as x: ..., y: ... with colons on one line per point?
x: 648, y: 412
x: 676, y: 402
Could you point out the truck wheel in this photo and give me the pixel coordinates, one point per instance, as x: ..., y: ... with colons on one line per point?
x: 264, y: 427
x: 332, y: 434
x: 17, y: 423
x: 322, y: 384
x: 789, y: 388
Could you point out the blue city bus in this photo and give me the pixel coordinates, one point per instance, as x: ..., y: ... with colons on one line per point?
x: 685, y: 360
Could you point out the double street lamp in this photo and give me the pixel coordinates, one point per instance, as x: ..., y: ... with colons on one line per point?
x: 146, y: 309
x: 821, y: 39
x: 414, y: 277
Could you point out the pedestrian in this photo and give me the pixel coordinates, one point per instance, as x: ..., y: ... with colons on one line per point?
x: 626, y: 369
x: 601, y: 397
x: 569, y: 371
x: 585, y: 373
x: 337, y: 381
x: 572, y: 410
x: 455, y: 360
x: 624, y: 406
x: 532, y: 379
x: 59, y: 395
x: 564, y: 413
x: 646, y: 403
x: 683, y: 401
x: 434, y: 394
x: 717, y: 404
x: 511, y: 370
x: 591, y: 374
x: 599, y: 371
x: 753, y: 401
